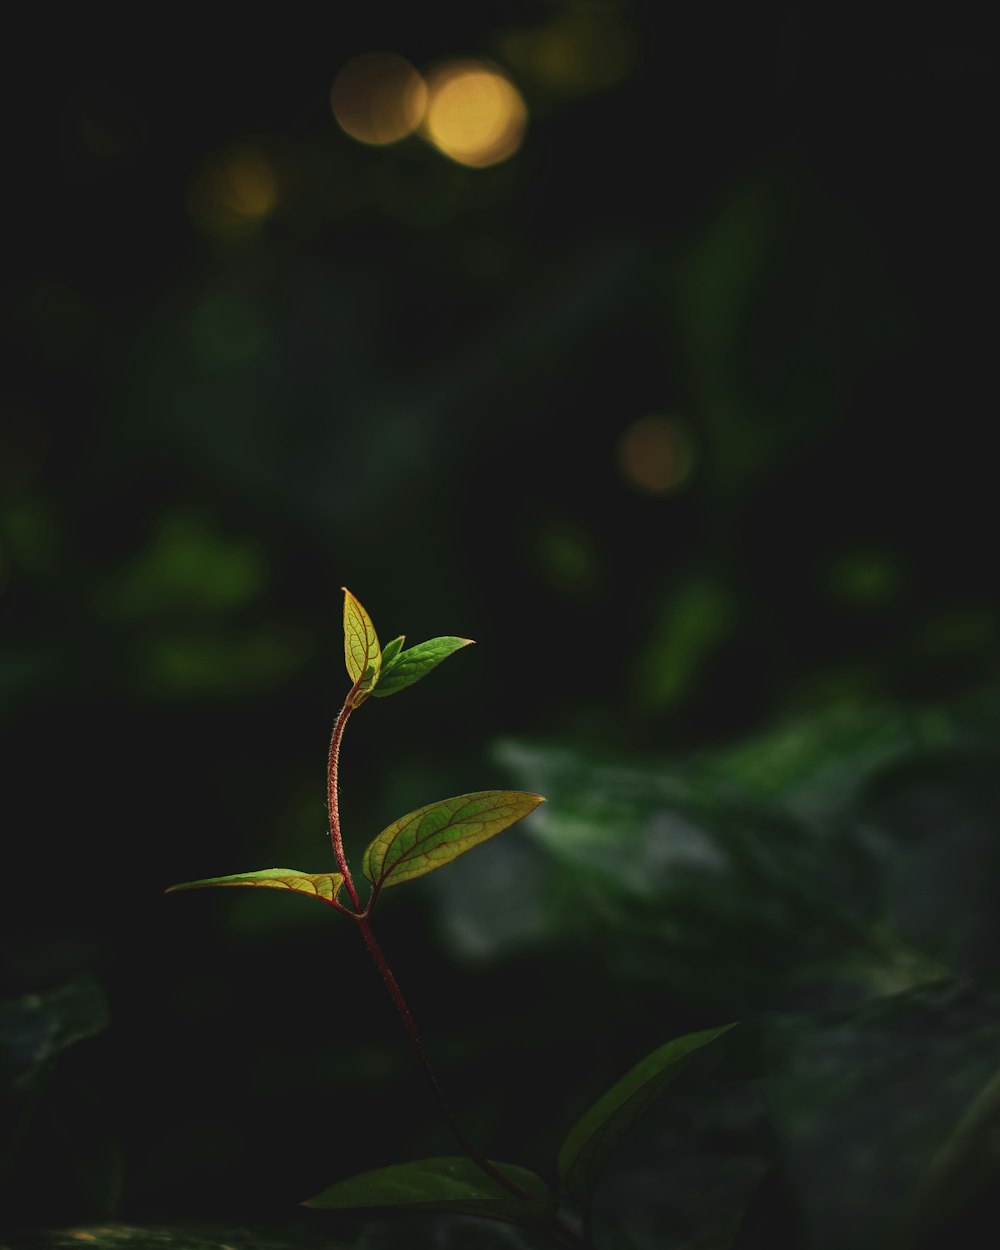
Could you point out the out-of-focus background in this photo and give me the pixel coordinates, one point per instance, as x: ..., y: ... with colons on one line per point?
x: 648, y: 345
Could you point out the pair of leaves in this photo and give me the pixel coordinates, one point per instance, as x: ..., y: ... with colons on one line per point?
x: 458, y: 1185
x: 416, y: 844
x: 382, y: 672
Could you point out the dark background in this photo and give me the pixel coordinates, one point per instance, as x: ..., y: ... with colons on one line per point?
x: 771, y: 225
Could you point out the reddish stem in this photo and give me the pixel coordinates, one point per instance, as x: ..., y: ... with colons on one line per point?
x: 407, y: 1017
x: 333, y: 761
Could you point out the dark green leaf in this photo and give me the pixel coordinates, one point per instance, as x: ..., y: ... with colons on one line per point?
x: 322, y: 885
x: 112, y: 1236
x: 36, y: 1027
x: 601, y: 1129
x: 887, y: 1118
x: 733, y: 882
x: 441, y: 1184
x: 416, y: 662
x: 434, y: 835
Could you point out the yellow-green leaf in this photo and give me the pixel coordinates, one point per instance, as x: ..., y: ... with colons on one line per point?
x: 322, y: 885
x: 434, y: 835
x: 361, y: 649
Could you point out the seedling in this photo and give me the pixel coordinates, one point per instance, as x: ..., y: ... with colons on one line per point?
x: 416, y: 844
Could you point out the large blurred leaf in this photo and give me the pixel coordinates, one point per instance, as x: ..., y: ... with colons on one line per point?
x: 756, y: 875
x: 448, y: 1183
x: 887, y: 1118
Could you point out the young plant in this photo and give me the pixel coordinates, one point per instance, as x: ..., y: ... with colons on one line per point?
x: 410, y: 847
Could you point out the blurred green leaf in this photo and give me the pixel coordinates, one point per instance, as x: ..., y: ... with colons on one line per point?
x: 887, y: 1118
x: 46, y: 1121
x: 227, y: 332
x: 36, y: 1027
x: 865, y: 579
x: 765, y: 873
x: 216, y: 661
x: 163, y: 1237
x: 434, y: 835
x: 186, y: 567
x: 409, y: 666
x: 698, y: 617
x: 599, y: 1132
x: 324, y: 886
x: 441, y: 1184
x: 28, y: 528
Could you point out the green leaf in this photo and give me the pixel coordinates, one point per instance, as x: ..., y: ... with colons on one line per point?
x: 108, y: 1236
x: 884, y: 1116
x: 600, y: 1130
x: 361, y: 649
x: 434, y: 835
x: 34, y: 1028
x: 449, y: 1183
x: 728, y: 885
x: 322, y: 885
x: 409, y: 666
x: 391, y: 650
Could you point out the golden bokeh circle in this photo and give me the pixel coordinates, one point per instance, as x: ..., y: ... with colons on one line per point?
x: 475, y: 115
x: 378, y: 98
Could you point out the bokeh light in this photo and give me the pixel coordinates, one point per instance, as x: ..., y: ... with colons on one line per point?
x: 378, y: 98
x: 655, y: 455
x: 235, y: 193
x: 574, y: 53
x: 475, y: 114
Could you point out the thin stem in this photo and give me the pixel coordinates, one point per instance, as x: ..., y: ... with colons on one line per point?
x: 411, y: 1028
x: 332, y: 764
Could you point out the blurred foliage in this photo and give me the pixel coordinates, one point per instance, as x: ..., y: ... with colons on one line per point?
x: 253, y: 360
x: 151, y: 1237
x: 866, y: 833
x: 48, y: 1107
